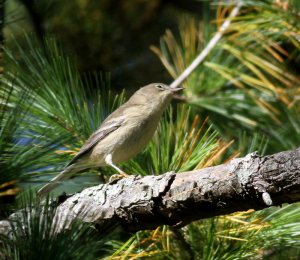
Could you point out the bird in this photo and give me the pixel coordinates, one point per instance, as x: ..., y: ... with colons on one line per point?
x: 122, y: 135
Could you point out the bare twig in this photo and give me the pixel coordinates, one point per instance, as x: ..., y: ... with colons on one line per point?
x: 208, y: 48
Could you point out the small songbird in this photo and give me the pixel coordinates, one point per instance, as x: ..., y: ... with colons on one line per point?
x: 122, y: 135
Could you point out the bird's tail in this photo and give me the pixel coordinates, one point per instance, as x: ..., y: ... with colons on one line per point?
x: 56, y: 181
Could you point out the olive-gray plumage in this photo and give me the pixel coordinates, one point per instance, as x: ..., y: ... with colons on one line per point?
x: 122, y: 135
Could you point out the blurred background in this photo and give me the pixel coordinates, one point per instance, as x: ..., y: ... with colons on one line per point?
x: 111, y: 36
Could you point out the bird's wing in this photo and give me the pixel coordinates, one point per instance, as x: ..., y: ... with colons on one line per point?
x: 104, y: 130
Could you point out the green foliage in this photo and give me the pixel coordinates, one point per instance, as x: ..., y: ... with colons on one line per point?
x: 11, y: 164
x: 62, y: 108
x: 243, y: 235
x: 9, y: 122
x: 247, y: 234
x: 66, y: 101
x: 163, y: 243
x: 249, y: 78
x: 33, y: 235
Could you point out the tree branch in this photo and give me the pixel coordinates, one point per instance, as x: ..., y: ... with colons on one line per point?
x: 137, y: 203
x: 212, y: 43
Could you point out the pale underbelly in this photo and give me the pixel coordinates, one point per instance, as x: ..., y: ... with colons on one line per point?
x: 123, y: 145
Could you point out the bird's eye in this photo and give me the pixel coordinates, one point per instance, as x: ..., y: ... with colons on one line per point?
x: 160, y: 87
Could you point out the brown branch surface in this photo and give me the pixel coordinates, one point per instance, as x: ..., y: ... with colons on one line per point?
x: 137, y: 203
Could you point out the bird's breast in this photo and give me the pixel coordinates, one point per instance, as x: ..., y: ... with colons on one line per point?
x: 127, y: 141
x: 135, y: 139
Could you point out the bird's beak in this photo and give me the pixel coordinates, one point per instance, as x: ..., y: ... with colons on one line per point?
x: 176, y: 89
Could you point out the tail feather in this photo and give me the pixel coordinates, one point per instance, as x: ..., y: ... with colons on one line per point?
x: 47, y: 188
x: 64, y: 175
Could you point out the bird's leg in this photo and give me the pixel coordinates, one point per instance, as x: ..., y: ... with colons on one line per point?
x: 108, y: 160
x: 122, y: 174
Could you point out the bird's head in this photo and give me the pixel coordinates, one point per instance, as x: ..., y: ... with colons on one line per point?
x: 157, y: 94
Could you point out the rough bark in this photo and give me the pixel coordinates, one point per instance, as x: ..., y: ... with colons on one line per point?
x: 252, y: 182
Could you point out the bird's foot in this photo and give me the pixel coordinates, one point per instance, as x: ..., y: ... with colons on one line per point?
x: 116, y: 177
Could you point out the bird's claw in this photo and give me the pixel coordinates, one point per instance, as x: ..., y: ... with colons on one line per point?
x: 116, y: 177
